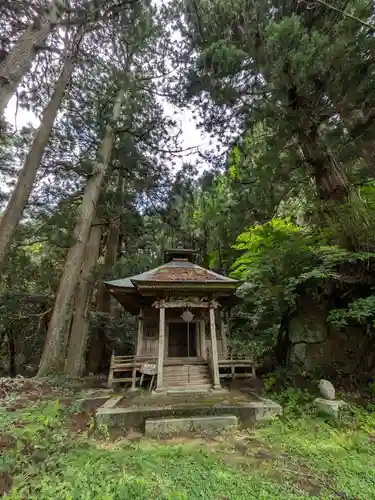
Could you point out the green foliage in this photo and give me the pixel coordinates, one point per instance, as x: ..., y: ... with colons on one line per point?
x: 38, y: 433
x: 282, y: 262
x: 289, y: 91
x: 270, y: 243
x: 359, y: 311
x: 295, y: 402
x: 339, y: 456
x: 271, y: 461
x: 273, y: 254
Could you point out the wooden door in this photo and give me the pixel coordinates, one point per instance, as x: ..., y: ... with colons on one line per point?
x: 181, y: 342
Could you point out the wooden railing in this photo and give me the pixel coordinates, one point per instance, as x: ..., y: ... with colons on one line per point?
x: 128, y: 365
x: 235, y: 363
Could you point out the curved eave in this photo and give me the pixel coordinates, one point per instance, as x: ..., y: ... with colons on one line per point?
x: 129, y: 298
x: 209, y: 286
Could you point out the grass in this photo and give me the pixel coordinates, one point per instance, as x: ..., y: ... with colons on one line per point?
x: 289, y: 458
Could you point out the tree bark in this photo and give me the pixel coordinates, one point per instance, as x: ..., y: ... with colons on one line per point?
x: 75, y: 362
x: 20, y: 195
x: 52, y: 351
x: 12, y: 354
x: 358, y: 125
x: 330, y: 178
x: 67, y: 328
x: 18, y: 61
x: 341, y: 208
x: 98, y: 342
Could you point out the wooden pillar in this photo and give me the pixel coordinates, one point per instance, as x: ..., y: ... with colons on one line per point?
x: 110, y: 378
x: 223, y: 332
x: 202, y: 332
x: 140, y: 333
x: 134, y: 378
x: 159, y: 384
x: 214, y: 355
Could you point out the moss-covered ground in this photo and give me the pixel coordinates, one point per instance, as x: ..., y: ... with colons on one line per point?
x: 51, y: 447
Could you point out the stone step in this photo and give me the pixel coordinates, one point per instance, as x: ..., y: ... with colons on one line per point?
x: 168, y: 426
x: 187, y: 387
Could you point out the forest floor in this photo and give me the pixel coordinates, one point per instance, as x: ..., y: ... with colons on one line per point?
x: 51, y: 447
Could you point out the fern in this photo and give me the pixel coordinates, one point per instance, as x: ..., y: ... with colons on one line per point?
x: 359, y: 311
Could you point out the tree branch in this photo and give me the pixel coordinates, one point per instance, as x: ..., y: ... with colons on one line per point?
x: 345, y: 14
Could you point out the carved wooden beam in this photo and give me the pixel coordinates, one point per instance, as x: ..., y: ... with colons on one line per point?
x: 182, y: 304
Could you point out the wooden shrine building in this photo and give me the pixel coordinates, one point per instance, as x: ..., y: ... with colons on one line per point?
x: 181, y: 309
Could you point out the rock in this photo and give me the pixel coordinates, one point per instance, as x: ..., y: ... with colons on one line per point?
x: 134, y: 436
x: 241, y: 447
x: 298, y: 354
x: 327, y: 390
x: 307, y: 329
x: 329, y: 407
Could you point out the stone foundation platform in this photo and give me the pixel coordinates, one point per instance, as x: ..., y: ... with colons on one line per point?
x: 132, y: 410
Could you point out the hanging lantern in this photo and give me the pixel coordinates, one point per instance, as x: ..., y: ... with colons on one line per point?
x: 187, y: 316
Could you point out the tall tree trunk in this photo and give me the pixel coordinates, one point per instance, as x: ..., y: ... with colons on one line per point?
x: 67, y: 328
x: 75, y: 362
x: 330, y: 178
x: 18, y: 61
x: 340, y: 207
x: 26, y: 177
x: 98, y: 341
x: 359, y: 124
x: 52, y: 351
x: 206, y: 257
x: 12, y: 354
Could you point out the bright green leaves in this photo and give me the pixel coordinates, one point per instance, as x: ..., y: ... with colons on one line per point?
x: 359, y: 311
x: 269, y: 245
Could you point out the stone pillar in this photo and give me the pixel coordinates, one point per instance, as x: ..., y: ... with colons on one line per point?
x: 159, y: 384
x: 202, y: 333
x: 223, y: 333
x: 140, y: 334
x: 214, y: 355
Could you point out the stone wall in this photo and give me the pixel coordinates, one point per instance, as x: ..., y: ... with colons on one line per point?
x: 314, y: 343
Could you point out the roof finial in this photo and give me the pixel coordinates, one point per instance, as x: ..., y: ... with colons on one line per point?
x: 179, y: 253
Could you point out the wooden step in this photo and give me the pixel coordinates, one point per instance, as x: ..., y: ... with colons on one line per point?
x: 191, y: 377
x: 187, y: 379
x: 182, y: 383
x: 185, y: 369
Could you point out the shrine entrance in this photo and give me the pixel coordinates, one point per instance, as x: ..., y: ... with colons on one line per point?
x: 182, y: 340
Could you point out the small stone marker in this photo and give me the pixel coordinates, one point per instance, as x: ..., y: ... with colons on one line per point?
x: 327, y: 390
x: 328, y: 404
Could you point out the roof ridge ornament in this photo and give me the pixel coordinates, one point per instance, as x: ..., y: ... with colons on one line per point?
x: 179, y: 254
